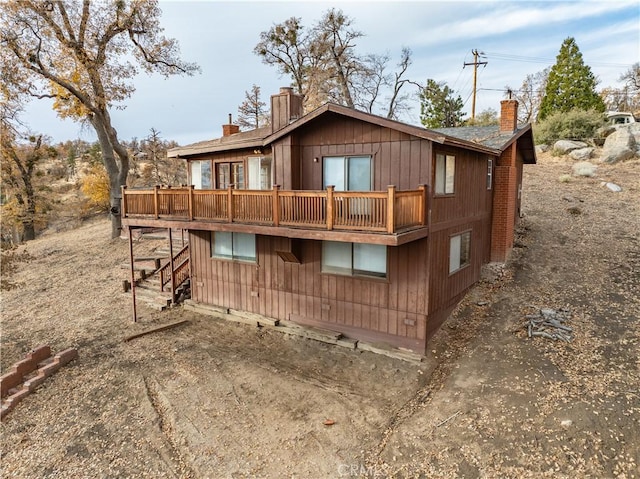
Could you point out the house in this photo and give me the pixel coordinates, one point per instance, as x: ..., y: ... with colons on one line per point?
x: 344, y: 220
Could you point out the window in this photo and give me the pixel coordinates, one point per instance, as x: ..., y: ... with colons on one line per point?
x: 354, y: 259
x: 201, y: 174
x: 347, y: 173
x: 230, y: 174
x: 459, y: 251
x: 238, y: 246
x: 489, y: 173
x: 259, y: 173
x: 445, y: 174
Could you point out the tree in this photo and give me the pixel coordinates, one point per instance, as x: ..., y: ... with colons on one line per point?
x: 438, y: 106
x: 571, y: 84
x: 82, y: 55
x: 530, y: 94
x: 324, y: 66
x: 484, y: 118
x: 626, y: 98
x: 156, y: 168
x: 252, y: 112
x: 18, y: 162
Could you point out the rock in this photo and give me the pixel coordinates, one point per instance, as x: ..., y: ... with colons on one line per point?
x: 619, y: 146
x: 584, y: 168
x: 563, y: 147
x: 582, y: 154
x: 568, y: 198
x: 634, y: 129
x: 604, y: 131
x: 613, y: 187
x: 542, y: 148
x: 566, y: 423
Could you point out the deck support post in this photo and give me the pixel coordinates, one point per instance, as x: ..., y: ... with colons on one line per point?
x: 391, y: 207
x: 191, y: 202
x: 156, y: 206
x: 230, y: 203
x: 330, y: 211
x: 422, y: 208
x: 173, y: 279
x: 133, y: 275
x: 276, y: 206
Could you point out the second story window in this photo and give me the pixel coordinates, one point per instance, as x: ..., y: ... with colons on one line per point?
x: 347, y: 173
x: 445, y: 174
x: 201, y: 174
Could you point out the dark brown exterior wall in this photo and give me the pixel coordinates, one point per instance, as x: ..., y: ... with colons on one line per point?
x: 392, y: 310
x: 469, y: 209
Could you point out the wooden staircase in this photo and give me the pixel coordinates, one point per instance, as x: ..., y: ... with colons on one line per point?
x: 154, y: 285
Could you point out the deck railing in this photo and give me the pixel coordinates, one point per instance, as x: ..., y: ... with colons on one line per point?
x: 376, y: 211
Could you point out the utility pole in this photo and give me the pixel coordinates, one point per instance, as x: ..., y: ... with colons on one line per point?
x: 475, y: 64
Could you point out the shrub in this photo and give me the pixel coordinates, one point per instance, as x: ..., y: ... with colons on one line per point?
x: 572, y: 125
x: 95, y: 186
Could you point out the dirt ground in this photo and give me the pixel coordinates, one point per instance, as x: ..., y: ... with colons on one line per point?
x: 213, y: 399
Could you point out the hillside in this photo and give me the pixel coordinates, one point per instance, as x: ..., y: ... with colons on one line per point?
x: 214, y: 399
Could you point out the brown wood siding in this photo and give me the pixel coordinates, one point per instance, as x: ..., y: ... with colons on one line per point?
x: 333, y: 135
x: 393, y: 311
x: 468, y: 209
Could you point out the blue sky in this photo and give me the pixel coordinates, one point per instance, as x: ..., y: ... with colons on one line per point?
x: 517, y: 37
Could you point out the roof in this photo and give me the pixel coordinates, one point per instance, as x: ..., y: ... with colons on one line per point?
x: 492, y: 137
x: 483, y: 139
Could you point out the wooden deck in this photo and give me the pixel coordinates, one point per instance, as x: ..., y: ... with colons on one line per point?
x: 381, y: 212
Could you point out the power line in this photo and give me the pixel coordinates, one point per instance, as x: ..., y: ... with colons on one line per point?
x: 548, y: 61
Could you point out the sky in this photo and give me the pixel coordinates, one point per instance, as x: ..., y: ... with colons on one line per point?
x: 517, y: 38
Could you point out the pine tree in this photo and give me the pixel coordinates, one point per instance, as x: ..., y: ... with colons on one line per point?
x: 571, y: 84
x: 438, y: 107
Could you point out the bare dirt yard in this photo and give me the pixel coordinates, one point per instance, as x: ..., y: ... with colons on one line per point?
x: 213, y: 399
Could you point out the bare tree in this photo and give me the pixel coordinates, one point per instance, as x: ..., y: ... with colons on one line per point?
x: 80, y: 54
x: 252, y: 112
x: 529, y: 95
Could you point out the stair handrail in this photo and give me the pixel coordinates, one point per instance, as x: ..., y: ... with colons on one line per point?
x: 179, y: 259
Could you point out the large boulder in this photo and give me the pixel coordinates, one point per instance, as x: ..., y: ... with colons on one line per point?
x: 582, y: 154
x: 562, y: 147
x: 619, y: 146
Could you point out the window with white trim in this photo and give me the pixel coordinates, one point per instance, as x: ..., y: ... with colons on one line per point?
x: 201, y: 174
x: 354, y: 259
x: 237, y: 246
x: 459, y: 251
x: 489, y: 173
x: 445, y: 174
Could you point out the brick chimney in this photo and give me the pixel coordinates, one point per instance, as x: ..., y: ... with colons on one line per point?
x: 286, y: 107
x: 508, y: 115
x: 506, y: 183
x: 230, y: 129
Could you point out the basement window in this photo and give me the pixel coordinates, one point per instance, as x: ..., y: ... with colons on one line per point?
x: 354, y: 259
x: 459, y: 251
x: 445, y: 174
x: 236, y: 246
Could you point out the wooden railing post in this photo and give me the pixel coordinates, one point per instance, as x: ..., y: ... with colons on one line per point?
x: 422, y: 207
x: 230, y: 203
x: 124, y: 202
x: 391, y: 208
x: 275, y: 206
x: 191, y: 202
x: 156, y: 206
x: 330, y: 212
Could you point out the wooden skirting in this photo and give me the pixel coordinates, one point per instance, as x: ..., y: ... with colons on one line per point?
x: 317, y: 333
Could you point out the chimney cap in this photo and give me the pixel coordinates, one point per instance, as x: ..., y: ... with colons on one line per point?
x: 286, y: 89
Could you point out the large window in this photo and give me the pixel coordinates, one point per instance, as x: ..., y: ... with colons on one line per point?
x: 238, y: 246
x: 354, y: 259
x: 445, y: 174
x: 459, y: 251
x: 347, y: 173
x: 201, y: 174
x: 260, y: 175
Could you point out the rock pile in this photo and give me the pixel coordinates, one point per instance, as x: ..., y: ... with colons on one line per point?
x: 549, y: 323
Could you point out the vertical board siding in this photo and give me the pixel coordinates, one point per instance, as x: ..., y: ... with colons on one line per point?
x: 285, y: 289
